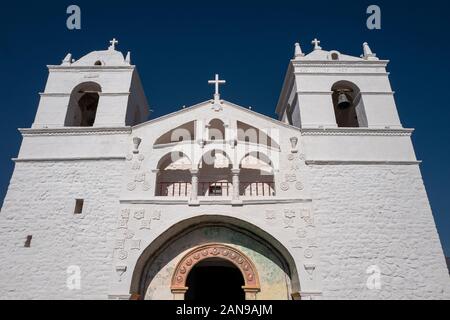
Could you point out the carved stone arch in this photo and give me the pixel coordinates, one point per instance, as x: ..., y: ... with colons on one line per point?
x: 207, y: 156
x: 216, y: 250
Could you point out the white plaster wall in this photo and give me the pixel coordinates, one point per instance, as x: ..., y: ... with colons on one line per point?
x: 377, y: 215
x: 40, y: 202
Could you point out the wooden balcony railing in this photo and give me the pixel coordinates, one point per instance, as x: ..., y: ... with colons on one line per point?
x: 216, y: 189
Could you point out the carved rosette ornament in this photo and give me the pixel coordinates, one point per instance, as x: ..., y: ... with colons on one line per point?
x: 239, y: 259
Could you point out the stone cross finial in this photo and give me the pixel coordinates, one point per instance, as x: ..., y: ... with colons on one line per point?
x: 217, y: 82
x: 316, y: 43
x: 113, y: 44
x: 298, y: 51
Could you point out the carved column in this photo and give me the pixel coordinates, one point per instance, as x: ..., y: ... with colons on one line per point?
x: 194, y: 187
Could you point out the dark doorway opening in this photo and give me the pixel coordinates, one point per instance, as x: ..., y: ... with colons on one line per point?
x: 215, y: 280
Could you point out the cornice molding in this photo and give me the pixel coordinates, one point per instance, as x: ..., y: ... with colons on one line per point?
x: 340, y: 64
x: 73, y: 131
x: 313, y: 73
x: 366, y: 93
x: 359, y: 162
x: 65, y: 159
x: 225, y: 202
x: 90, y: 68
x: 54, y: 94
x: 356, y: 132
x: 113, y: 94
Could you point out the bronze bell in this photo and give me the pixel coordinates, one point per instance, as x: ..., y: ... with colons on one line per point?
x: 343, y: 101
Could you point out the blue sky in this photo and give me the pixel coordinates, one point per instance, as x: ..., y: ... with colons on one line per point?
x: 179, y: 45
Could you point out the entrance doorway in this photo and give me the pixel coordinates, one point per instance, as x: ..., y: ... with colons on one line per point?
x: 215, y: 280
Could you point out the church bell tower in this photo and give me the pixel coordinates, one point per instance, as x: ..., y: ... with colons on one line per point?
x: 101, y: 89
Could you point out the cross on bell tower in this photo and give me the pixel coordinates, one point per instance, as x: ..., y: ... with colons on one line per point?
x: 316, y: 43
x: 113, y: 44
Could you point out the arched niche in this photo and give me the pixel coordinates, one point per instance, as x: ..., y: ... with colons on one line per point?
x: 165, y: 253
x: 216, y: 130
x: 83, y: 103
x: 173, y: 175
x: 257, y: 172
x: 348, y: 105
x: 215, y: 174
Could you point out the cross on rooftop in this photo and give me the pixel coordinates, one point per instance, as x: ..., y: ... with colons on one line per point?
x: 217, y: 83
x: 316, y: 43
x: 113, y: 44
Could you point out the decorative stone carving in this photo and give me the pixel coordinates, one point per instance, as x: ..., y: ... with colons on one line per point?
x: 140, y: 177
x: 299, y: 186
x: 129, y: 157
x: 146, y: 186
x: 146, y: 224
x: 135, y: 245
x: 122, y: 255
x: 136, y: 142
x: 291, y: 157
x: 129, y: 234
x: 120, y: 244
x: 125, y: 213
x: 308, y: 253
x: 310, y: 268
x: 141, y: 157
x: 139, y: 214
x: 156, y: 215
x: 297, y: 243
x: 291, y: 178
x: 271, y: 214
x: 120, y: 271
x: 289, y: 223
x: 294, y: 142
x: 290, y: 213
x: 123, y: 224
x: 131, y: 186
x: 241, y: 261
x: 304, y: 213
x: 284, y: 186
x: 136, y: 165
x: 301, y: 233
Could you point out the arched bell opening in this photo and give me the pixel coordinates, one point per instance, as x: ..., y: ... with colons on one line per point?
x: 348, y: 105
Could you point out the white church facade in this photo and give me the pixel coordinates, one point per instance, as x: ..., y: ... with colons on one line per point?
x: 216, y: 200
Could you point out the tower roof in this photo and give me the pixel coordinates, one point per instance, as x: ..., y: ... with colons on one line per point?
x: 109, y: 57
x: 319, y: 54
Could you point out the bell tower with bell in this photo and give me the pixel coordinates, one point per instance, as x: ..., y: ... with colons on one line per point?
x: 327, y: 89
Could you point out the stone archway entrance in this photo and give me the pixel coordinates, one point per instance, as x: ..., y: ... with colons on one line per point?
x: 202, y: 267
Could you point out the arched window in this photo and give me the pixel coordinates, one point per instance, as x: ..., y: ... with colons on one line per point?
x: 83, y: 105
x: 173, y: 178
x: 348, y: 105
x: 257, y: 176
x: 216, y: 130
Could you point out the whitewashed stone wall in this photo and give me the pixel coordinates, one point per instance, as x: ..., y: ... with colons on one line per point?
x: 40, y: 202
x: 377, y: 215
